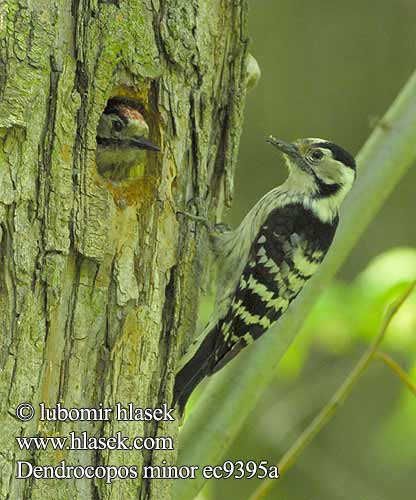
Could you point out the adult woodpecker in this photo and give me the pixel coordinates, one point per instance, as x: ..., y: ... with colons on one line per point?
x: 267, y: 260
x: 122, y: 138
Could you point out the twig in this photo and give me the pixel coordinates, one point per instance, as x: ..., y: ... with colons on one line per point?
x: 337, y: 399
x: 397, y: 369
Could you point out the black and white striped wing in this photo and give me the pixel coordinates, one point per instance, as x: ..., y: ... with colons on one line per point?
x: 288, y: 249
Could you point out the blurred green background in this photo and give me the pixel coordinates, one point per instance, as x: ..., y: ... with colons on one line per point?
x: 330, y: 68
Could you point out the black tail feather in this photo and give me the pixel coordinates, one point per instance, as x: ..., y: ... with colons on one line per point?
x: 198, y: 367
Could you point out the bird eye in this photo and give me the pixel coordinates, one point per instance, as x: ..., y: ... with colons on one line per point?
x: 117, y: 126
x: 317, y: 154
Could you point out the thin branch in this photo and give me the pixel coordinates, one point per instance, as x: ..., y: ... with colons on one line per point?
x: 337, y: 399
x: 397, y: 369
x: 234, y: 392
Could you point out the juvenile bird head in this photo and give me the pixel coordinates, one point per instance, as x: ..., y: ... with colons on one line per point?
x: 122, y: 136
x: 318, y: 168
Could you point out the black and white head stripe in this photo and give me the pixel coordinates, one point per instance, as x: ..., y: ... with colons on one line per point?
x: 326, y: 190
x: 338, y: 153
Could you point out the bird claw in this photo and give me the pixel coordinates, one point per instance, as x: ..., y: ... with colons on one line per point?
x: 194, y: 205
x: 196, y: 218
x: 215, y: 230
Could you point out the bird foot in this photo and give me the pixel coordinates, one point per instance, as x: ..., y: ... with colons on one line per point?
x: 196, y: 218
x: 214, y: 229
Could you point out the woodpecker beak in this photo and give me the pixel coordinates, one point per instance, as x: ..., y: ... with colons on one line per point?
x: 292, y: 152
x: 142, y: 143
x: 289, y: 149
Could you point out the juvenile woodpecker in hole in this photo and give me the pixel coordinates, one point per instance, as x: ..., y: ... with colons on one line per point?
x: 122, y: 138
x: 267, y: 260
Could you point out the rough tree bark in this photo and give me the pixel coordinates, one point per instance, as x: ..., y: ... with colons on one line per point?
x: 99, y: 283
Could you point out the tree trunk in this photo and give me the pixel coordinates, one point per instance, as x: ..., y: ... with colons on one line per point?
x: 99, y: 281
